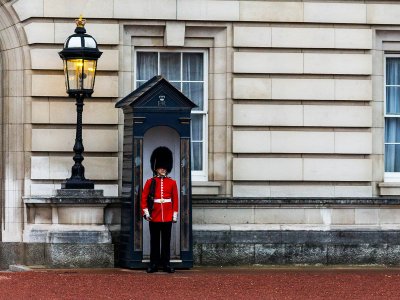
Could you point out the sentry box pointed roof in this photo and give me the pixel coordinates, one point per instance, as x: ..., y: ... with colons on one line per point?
x: 157, y: 103
x: 157, y: 94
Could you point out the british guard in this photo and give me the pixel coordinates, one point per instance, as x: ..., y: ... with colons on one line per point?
x: 159, y: 206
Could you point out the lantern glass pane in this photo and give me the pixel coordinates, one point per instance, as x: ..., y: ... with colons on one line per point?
x: 89, y: 42
x: 66, y: 74
x: 80, y: 74
x: 89, y: 71
x: 74, y: 69
x: 75, y: 42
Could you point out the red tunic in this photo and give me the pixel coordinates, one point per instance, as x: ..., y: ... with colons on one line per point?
x: 165, y: 199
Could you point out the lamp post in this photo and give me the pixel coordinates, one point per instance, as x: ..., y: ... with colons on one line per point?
x: 80, y: 56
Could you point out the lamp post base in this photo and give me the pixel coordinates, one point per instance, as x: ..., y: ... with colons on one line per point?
x: 77, y: 184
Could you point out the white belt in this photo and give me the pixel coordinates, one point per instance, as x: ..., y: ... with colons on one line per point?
x: 162, y: 200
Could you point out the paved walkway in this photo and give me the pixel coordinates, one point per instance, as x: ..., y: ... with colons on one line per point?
x: 205, y: 283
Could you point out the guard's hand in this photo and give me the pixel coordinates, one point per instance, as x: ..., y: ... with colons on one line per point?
x: 175, y: 217
x: 146, y: 214
x: 147, y: 217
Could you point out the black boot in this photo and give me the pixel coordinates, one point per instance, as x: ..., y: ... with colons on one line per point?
x: 152, y: 268
x: 168, y: 269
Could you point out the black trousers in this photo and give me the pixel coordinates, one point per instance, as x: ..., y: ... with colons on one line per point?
x: 160, y: 230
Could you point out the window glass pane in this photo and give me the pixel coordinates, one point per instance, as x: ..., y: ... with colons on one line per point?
x: 147, y: 65
x: 393, y: 70
x: 392, y: 130
x: 393, y: 100
x: 176, y: 85
x: 192, y: 66
x: 170, y: 65
x: 197, y: 127
x: 392, y: 158
x: 197, y: 156
x: 194, y: 91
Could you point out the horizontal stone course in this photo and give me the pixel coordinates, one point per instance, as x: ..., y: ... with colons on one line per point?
x: 48, y: 59
x: 248, y: 169
x: 90, y: 255
x: 227, y: 254
x: 59, y: 167
x: 55, y: 111
x: 301, y: 142
x: 267, y: 115
x: 57, y: 33
x: 104, y: 33
x: 54, y: 85
x: 335, y: 12
x: 302, y: 89
x: 326, y: 63
x: 381, y: 13
x: 57, y: 255
x: 302, y: 115
x: 258, y: 62
x: 224, y: 202
x: 252, y: 88
x: 247, y: 36
x: 283, y: 37
x: 134, y: 9
x: 251, y: 141
x: 206, y: 10
x: 271, y: 11
x: 244, y: 189
x: 297, y: 247
x: 337, y: 169
x: 302, y: 37
x: 73, y: 8
x: 302, y: 63
x: 298, y: 169
x: 337, y: 116
x: 346, y: 38
x: 96, y: 140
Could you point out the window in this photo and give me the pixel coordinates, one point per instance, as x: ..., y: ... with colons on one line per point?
x: 392, y: 118
x: 187, y: 71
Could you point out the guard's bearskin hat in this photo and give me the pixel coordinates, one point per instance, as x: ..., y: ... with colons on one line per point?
x: 161, y: 158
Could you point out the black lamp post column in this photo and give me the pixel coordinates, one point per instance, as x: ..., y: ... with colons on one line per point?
x: 80, y: 55
x: 77, y: 179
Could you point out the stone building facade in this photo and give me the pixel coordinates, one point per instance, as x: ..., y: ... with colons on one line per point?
x: 298, y: 121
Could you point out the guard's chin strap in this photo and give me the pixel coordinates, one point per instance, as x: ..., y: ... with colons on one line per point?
x: 157, y: 175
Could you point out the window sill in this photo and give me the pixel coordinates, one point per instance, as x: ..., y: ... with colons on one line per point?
x: 205, y: 188
x: 389, y: 188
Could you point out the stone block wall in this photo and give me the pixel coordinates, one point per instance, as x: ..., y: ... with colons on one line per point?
x: 295, y: 95
x: 56, y: 255
x: 276, y: 247
x: 297, y: 90
x: 281, y: 231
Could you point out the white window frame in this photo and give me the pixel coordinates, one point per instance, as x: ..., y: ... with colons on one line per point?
x: 196, y: 175
x: 388, y: 176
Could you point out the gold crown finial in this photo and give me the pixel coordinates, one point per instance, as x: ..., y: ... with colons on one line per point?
x: 80, y: 22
